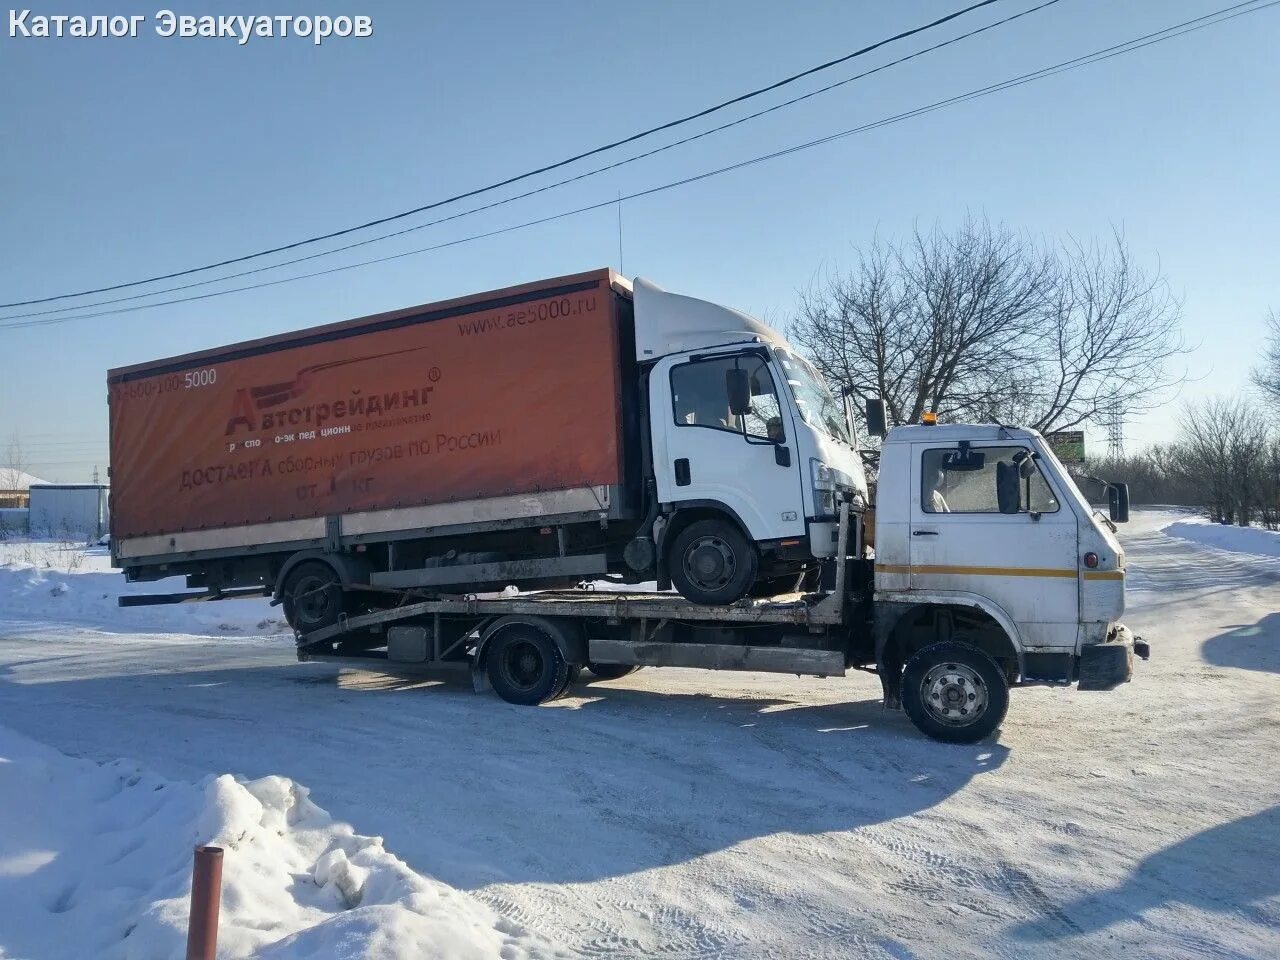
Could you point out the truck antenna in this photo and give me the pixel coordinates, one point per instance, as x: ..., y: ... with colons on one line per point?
x: 620, y: 270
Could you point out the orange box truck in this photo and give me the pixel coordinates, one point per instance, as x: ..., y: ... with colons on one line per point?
x: 575, y: 428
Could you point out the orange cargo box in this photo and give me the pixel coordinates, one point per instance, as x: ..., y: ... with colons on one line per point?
x: 508, y: 392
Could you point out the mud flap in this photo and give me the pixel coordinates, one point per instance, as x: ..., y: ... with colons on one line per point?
x: 891, y: 685
x: 1104, y: 666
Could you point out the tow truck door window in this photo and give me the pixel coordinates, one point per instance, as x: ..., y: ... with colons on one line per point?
x: 956, y: 483
x: 960, y: 542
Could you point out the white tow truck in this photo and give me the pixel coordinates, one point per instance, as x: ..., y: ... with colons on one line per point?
x: 980, y: 566
x: 690, y: 447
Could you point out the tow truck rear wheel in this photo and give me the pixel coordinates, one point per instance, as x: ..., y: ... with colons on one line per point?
x: 954, y: 692
x: 526, y: 667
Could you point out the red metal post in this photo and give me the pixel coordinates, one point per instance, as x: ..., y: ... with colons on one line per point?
x: 206, y: 896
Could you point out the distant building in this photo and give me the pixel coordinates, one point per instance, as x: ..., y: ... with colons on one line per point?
x: 15, y: 488
x: 72, y: 510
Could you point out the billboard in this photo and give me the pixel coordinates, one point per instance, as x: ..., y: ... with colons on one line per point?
x: 1068, y: 445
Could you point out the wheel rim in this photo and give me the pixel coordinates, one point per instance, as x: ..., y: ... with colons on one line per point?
x: 314, y: 599
x: 710, y: 563
x: 523, y: 664
x: 955, y: 694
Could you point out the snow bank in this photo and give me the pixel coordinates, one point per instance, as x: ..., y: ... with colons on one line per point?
x: 1253, y: 540
x: 46, y: 581
x: 95, y: 861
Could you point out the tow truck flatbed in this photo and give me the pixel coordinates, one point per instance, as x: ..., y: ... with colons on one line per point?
x: 786, y: 609
x: 637, y: 629
x: 640, y: 616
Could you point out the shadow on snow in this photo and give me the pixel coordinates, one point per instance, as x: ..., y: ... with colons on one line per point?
x: 474, y: 791
x: 1253, y: 646
x: 1227, y: 869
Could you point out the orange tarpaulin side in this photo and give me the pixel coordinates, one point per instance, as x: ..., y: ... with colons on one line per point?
x: 505, y: 393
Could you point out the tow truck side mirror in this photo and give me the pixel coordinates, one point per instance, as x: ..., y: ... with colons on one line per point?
x: 1008, y: 493
x: 876, y: 424
x: 1118, y: 502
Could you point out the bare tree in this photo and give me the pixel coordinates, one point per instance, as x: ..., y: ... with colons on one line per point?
x: 1269, y: 485
x: 1266, y: 375
x: 1225, y: 449
x: 13, y: 464
x: 925, y: 324
x: 1109, y: 334
x: 1226, y: 460
x: 984, y: 324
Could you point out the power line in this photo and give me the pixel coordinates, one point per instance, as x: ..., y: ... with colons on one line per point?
x: 1127, y: 46
x: 531, y: 173
x: 26, y: 441
x: 1097, y: 56
x: 23, y: 434
x: 59, y: 448
x: 23, y: 449
x: 543, y: 189
x: 41, y: 466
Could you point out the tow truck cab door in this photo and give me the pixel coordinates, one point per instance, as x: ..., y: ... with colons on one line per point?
x: 1024, y: 562
x: 702, y: 451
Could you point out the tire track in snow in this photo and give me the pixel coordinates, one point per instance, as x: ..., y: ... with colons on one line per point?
x: 619, y: 926
x: 988, y: 885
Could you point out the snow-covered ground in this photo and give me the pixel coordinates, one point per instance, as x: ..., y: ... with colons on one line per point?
x: 95, y: 861
x: 1252, y: 540
x: 68, y: 583
x: 95, y: 854
x: 670, y: 814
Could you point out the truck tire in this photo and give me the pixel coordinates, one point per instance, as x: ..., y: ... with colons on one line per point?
x: 954, y: 692
x: 526, y: 667
x: 313, y: 597
x: 712, y: 563
x: 612, y: 671
x: 570, y: 678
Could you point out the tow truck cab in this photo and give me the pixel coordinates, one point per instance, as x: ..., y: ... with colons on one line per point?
x: 982, y: 537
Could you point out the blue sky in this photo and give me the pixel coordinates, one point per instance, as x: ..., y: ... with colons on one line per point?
x: 123, y: 158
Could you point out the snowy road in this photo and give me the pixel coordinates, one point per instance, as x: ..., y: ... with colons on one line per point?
x: 688, y: 814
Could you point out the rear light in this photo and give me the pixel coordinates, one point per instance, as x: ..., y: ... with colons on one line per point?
x: 1091, y: 560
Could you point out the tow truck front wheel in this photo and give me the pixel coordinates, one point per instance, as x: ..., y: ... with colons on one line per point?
x: 954, y: 692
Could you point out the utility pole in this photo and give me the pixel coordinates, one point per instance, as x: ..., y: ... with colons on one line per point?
x: 620, y: 270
